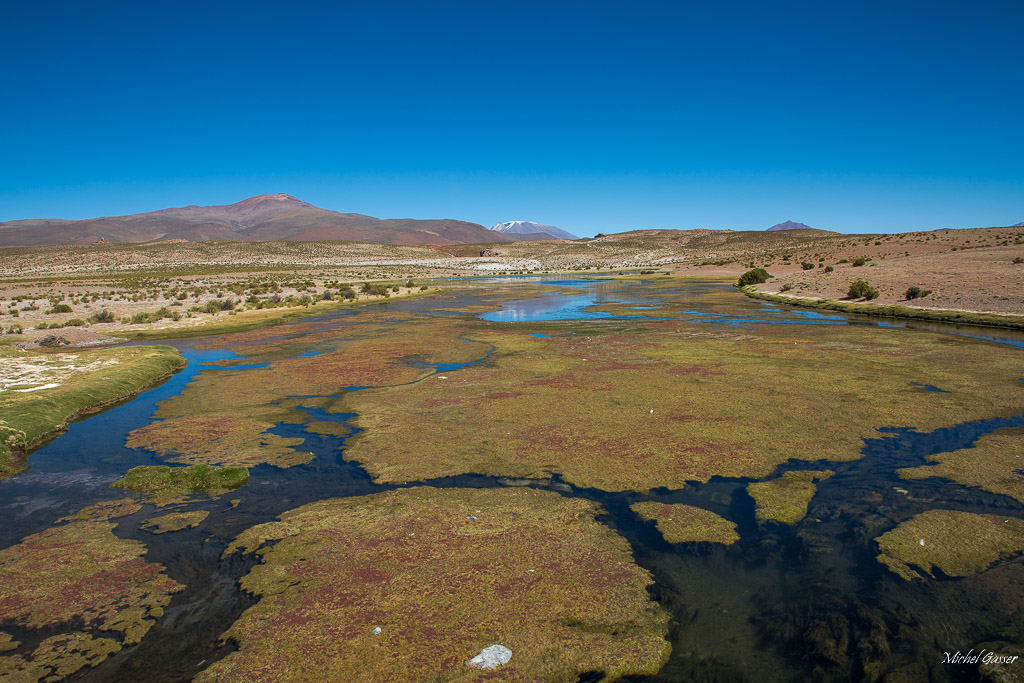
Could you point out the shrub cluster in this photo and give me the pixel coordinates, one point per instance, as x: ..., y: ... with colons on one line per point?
x: 916, y: 292
x: 861, y: 290
x: 754, y: 276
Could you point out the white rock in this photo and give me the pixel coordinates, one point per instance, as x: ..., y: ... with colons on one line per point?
x: 376, y: 631
x: 491, y: 657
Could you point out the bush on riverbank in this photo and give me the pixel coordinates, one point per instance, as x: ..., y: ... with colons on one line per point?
x: 754, y: 276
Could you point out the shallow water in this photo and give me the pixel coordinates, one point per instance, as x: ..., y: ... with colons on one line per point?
x: 768, y: 608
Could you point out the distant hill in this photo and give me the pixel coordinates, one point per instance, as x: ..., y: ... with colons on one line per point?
x: 790, y: 225
x: 1018, y: 225
x: 531, y: 228
x: 262, y: 218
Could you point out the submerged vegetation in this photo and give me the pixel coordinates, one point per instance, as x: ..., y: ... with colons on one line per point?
x: 388, y: 586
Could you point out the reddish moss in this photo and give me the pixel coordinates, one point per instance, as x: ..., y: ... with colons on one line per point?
x: 83, y: 571
x: 533, y: 571
x: 672, y: 403
x: 224, y: 417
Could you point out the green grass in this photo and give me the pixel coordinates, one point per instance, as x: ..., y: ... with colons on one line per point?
x: 115, y: 375
x: 161, y: 481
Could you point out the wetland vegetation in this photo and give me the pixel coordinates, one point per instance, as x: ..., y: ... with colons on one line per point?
x: 652, y: 478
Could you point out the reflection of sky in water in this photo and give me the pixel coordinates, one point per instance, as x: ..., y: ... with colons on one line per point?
x: 633, y: 295
x: 550, y: 307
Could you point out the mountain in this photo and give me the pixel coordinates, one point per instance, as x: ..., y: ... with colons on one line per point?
x: 790, y: 225
x: 531, y: 228
x: 1018, y: 225
x: 266, y: 217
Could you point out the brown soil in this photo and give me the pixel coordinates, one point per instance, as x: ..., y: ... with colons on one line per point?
x: 71, y: 337
x: 977, y: 280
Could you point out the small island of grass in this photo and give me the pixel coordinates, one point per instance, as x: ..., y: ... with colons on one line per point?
x: 785, y: 499
x: 958, y: 543
x: 163, y: 483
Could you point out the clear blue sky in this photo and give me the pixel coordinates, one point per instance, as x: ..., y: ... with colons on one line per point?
x: 855, y: 115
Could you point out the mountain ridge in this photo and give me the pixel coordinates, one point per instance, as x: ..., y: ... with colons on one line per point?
x: 790, y: 225
x: 268, y: 217
x: 529, y: 228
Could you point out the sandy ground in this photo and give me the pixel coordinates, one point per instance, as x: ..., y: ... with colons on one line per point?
x: 29, y: 321
x: 977, y: 280
x: 33, y: 372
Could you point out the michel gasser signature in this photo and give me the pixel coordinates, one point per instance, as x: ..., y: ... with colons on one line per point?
x: 983, y: 656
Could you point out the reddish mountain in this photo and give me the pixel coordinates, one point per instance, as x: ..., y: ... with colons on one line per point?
x: 266, y: 217
x: 790, y: 225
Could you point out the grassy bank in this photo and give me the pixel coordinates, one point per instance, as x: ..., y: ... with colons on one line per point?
x: 1015, y: 322
x: 43, y: 392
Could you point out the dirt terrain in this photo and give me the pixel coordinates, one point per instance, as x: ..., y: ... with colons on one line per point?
x: 166, y: 286
x: 984, y: 280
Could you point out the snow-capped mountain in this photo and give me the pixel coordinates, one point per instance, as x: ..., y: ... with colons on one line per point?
x: 529, y: 227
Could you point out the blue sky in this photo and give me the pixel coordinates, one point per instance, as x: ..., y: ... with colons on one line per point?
x: 858, y: 116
